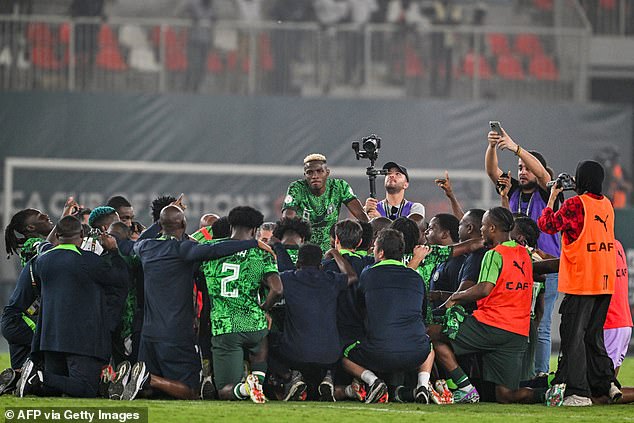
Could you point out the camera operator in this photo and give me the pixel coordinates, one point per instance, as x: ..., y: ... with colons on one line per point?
x: 587, y: 272
x: 394, y: 205
x: 528, y: 195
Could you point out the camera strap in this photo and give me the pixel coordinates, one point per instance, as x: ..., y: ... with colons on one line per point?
x: 388, y: 209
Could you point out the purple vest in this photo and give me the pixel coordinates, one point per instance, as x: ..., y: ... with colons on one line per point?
x: 402, y: 211
x: 547, y: 243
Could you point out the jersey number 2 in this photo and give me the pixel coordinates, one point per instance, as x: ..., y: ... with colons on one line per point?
x: 235, y: 268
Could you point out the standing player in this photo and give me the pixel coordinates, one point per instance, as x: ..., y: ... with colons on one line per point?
x: 318, y: 199
x: 238, y: 320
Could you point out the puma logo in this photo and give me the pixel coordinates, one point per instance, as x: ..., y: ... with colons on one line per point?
x: 597, y: 218
x: 620, y: 255
x: 521, y: 267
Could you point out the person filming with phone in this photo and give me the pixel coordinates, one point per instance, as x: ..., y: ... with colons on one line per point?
x: 528, y: 195
x: 394, y: 205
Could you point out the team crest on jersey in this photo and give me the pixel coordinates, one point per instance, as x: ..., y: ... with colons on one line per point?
x: 436, y: 276
x: 288, y: 199
x: 331, y: 209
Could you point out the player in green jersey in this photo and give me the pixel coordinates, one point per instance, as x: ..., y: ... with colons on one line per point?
x: 318, y: 199
x: 238, y: 321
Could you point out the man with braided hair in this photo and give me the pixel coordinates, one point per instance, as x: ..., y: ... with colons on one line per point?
x: 318, y: 199
x: 34, y: 226
x: 499, y: 327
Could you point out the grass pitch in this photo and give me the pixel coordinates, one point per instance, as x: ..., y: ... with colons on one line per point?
x: 203, y: 411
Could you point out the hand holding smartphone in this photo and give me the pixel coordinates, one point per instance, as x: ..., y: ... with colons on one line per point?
x: 495, y: 126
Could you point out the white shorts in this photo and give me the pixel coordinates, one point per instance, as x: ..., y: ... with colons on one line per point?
x: 617, y: 341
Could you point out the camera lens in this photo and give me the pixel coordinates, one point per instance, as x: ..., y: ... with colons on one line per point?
x: 369, y: 145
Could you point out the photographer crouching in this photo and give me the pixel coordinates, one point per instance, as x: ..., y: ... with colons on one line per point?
x: 587, y: 272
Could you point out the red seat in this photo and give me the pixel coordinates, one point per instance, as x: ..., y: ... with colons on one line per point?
x: 498, y: 44
x: 266, y: 55
x: 509, y: 67
x: 413, y: 63
x: 44, y: 57
x: 107, y: 37
x: 608, y: 4
x: 64, y: 33
x: 214, y: 63
x: 175, y: 43
x: 543, y: 5
x: 543, y: 68
x: 470, y: 62
x: 109, y: 55
x: 528, y: 45
x: 39, y: 34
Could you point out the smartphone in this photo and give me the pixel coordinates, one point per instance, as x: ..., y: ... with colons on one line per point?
x: 495, y: 126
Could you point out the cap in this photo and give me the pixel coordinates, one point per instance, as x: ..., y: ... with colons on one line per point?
x: 402, y: 169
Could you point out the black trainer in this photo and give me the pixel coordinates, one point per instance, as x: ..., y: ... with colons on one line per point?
x: 326, y: 389
x: 138, y: 376
x: 421, y: 395
x: 117, y: 385
x: 8, y: 380
x: 208, y: 389
x: 295, y: 388
x: 376, y: 391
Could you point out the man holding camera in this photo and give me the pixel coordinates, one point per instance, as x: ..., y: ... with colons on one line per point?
x: 528, y: 194
x: 394, y: 205
x: 587, y: 272
x: 317, y: 199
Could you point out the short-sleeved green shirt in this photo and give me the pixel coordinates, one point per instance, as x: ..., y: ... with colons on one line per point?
x: 233, y: 283
x: 321, y: 211
x: 438, y: 254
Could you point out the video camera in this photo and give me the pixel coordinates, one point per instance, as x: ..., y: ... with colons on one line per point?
x: 563, y: 181
x: 371, y: 146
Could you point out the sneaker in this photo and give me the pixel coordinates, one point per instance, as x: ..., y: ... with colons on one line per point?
x: 326, y: 389
x: 295, y: 388
x: 446, y: 397
x: 434, y: 396
x: 555, y: 395
x: 377, y: 391
x: 208, y: 389
x: 138, y: 377
x: 421, y: 395
x: 29, y: 377
x: 466, y: 397
x: 254, y: 389
x: 576, y: 401
x: 106, y: 376
x: 359, y: 389
x: 120, y: 379
x: 8, y: 380
x: 614, y: 394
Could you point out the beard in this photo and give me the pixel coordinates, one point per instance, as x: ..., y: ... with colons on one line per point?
x: 529, y: 186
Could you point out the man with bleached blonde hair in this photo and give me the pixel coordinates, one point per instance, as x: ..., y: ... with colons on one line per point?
x: 318, y: 199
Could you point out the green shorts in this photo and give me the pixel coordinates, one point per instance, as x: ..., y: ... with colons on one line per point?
x: 502, y: 351
x: 228, y: 355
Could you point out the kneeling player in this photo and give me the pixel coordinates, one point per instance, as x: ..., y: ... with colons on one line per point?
x: 499, y: 327
x: 395, y: 339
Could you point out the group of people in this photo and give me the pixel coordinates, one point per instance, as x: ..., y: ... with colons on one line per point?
x: 387, y: 305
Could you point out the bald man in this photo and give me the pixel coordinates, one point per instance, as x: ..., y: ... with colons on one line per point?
x: 168, y: 360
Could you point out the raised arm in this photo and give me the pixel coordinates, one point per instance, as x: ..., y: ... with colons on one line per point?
x: 445, y: 185
x: 530, y: 161
x: 344, y: 266
x: 491, y: 157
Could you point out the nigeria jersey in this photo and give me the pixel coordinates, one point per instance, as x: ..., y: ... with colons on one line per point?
x: 437, y: 255
x: 233, y: 283
x: 321, y: 211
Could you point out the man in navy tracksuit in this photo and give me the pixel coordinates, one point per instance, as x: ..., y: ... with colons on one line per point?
x: 72, y: 332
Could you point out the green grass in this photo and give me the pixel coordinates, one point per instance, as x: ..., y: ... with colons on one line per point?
x: 197, y: 411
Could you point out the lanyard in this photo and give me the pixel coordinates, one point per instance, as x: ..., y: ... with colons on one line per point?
x: 528, y: 206
x: 388, y: 209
